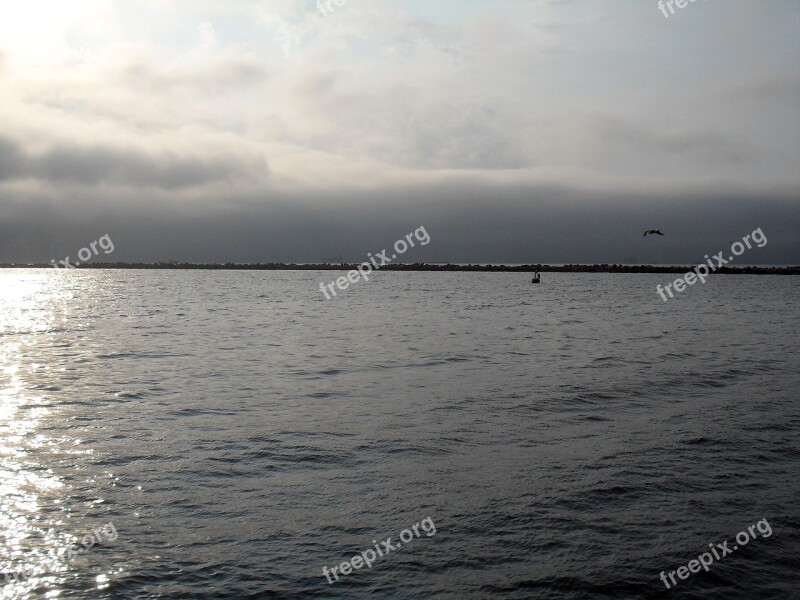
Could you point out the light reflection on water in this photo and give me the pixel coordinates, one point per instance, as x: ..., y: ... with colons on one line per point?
x: 34, y: 511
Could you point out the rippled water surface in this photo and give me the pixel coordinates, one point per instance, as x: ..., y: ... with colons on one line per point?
x: 240, y: 432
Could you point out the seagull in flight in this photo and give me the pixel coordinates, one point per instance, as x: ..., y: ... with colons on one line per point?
x: 653, y: 231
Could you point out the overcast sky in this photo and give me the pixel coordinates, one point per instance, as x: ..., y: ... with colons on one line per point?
x: 514, y: 131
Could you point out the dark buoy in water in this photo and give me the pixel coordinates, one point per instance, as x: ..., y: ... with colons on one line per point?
x: 536, y: 278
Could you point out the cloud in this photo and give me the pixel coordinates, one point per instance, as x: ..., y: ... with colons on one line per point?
x: 208, y: 36
x: 389, y: 102
x: 709, y: 147
x: 216, y: 77
x: 93, y: 165
x: 467, y: 223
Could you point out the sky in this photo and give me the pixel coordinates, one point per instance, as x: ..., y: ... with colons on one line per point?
x: 517, y: 131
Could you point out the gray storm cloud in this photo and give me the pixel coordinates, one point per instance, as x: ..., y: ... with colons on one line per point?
x: 475, y: 223
x: 99, y: 165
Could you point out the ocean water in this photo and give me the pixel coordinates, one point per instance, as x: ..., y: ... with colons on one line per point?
x: 239, y: 433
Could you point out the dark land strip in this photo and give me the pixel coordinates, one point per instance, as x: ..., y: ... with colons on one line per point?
x: 434, y: 267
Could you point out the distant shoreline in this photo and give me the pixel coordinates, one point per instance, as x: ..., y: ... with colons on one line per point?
x: 483, y: 268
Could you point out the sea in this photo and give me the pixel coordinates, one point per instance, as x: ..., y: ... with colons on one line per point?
x: 234, y: 434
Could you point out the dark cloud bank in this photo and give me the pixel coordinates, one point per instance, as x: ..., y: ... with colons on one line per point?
x: 466, y: 224
x: 102, y: 164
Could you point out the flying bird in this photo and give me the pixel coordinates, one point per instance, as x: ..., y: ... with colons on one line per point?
x: 653, y: 231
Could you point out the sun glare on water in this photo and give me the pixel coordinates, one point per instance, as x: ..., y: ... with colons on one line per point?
x: 31, y: 305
